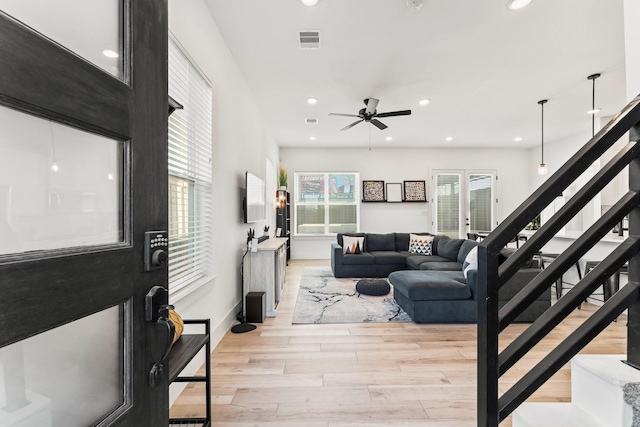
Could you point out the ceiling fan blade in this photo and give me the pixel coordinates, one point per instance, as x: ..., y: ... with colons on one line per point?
x: 372, y: 103
x: 394, y: 113
x: 352, y: 125
x: 377, y: 123
x: 344, y: 115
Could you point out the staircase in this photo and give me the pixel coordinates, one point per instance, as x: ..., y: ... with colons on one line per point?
x: 589, y: 373
x: 596, y: 396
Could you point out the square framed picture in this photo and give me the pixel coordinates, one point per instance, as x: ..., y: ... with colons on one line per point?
x: 415, y: 191
x: 373, y: 191
x: 394, y: 192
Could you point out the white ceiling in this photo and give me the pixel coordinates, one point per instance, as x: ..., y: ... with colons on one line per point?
x: 483, y: 67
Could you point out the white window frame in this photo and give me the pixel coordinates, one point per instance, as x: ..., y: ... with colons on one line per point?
x: 190, y: 231
x: 326, y: 203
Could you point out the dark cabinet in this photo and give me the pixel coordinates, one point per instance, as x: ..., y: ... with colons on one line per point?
x: 283, y: 219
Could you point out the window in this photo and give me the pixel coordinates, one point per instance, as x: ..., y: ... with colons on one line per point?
x: 326, y: 203
x: 190, y: 193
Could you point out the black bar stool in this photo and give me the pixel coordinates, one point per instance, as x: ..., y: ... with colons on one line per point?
x: 559, y: 282
x: 612, y: 284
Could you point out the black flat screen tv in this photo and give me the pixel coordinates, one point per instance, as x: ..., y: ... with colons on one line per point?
x: 254, y: 199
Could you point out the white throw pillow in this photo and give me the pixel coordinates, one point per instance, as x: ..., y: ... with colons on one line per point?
x: 422, y: 245
x: 352, y: 245
x: 470, y: 262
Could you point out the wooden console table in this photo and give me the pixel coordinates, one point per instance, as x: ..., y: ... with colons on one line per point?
x: 264, y: 271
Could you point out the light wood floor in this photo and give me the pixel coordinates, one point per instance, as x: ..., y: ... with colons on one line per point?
x: 373, y: 375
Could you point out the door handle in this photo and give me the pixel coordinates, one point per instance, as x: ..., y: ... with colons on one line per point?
x: 157, y: 310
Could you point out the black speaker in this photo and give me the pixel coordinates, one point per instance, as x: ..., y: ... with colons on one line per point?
x: 256, y: 302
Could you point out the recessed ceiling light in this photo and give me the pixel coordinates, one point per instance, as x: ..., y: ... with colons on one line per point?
x: 518, y: 4
x: 595, y: 111
x: 313, y: 138
x: 415, y: 4
x: 449, y: 138
x: 389, y: 138
x: 424, y: 102
x: 312, y: 101
x: 517, y: 139
x: 110, y: 53
x: 311, y: 121
x: 309, y: 2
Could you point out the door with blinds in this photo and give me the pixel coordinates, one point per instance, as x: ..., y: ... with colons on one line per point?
x: 464, y: 202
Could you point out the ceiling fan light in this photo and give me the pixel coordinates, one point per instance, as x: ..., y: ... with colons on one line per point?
x: 309, y: 3
x: 518, y: 4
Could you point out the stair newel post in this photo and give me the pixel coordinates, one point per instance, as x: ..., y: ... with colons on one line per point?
x: 633, y: 325
x: 487, y: 337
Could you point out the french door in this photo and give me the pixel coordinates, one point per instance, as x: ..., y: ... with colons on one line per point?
x: 83, y: 176
x: 464, y: 202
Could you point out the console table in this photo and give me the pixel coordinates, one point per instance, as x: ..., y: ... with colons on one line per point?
x: 264, y: 271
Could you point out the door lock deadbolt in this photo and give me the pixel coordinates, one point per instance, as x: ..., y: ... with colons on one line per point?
x: 156, y: 247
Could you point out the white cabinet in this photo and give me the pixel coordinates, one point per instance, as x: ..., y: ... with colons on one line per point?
x: 264, y: 271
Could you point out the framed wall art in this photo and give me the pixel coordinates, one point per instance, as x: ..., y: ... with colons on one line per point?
x: 415, y: 191
x: 394, y: 192
x: 373, y: 191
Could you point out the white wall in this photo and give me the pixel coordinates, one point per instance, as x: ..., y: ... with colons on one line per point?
x: 239, y: 144
x: 397, y: 165
x: 631, y: 50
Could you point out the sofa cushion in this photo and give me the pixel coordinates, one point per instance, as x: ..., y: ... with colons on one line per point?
x: 435, y: 286
x: 402, y: 240
x: 470, y: 262
x: 414, y: 261
x: 353, y: 245
x: 421, y: 245
x: 436, y: 242
x: 442, y: 266
x: 388, y: 257
x: 360, y: 259
x: 466, y: 247
x: 340, y: 238
x: 380, y: 242
x: 449, y: 248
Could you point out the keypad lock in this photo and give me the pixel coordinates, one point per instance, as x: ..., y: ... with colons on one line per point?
x: 156, y: 250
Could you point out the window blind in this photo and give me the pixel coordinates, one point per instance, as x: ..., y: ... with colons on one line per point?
x: 190, y: 175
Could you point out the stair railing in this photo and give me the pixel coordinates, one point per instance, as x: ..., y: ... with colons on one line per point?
x: 492, y: 409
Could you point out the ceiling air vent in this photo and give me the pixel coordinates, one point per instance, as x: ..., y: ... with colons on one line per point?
x: 311, y: 121
x: 309, y: 39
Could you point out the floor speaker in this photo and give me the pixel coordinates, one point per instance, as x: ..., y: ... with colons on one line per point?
x: 256, y: 302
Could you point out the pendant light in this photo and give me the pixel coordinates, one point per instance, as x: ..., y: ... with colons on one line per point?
x: 593, y: 110
x: 542, y: 167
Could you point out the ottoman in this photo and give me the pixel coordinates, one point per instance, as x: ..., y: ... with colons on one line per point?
x: 434, y: 296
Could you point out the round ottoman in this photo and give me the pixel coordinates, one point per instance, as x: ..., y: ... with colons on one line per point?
x: 376, y: 288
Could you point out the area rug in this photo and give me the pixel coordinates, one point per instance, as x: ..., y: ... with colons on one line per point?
x: 323, y: 298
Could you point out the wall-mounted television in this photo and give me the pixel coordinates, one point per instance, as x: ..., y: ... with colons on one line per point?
x: 254, y: 199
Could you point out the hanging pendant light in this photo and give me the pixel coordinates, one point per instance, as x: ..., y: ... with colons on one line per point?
x: 593, y: 110
x: 542, y: 167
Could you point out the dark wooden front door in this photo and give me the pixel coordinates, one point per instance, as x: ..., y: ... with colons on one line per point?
x: 75, y: 348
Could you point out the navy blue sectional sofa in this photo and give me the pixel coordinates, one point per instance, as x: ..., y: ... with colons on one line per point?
x: 430, y: 288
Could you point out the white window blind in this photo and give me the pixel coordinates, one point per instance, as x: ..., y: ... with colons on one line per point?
x: 190, y: 192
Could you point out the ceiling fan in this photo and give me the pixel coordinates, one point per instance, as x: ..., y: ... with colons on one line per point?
x: 370, y: 114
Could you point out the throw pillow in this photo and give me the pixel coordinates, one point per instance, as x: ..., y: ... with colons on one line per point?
x: 422, y: 245
x: 470, y: 262
x: 352, y: 245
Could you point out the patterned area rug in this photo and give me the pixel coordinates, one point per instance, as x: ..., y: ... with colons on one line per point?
x: 323, y: 298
